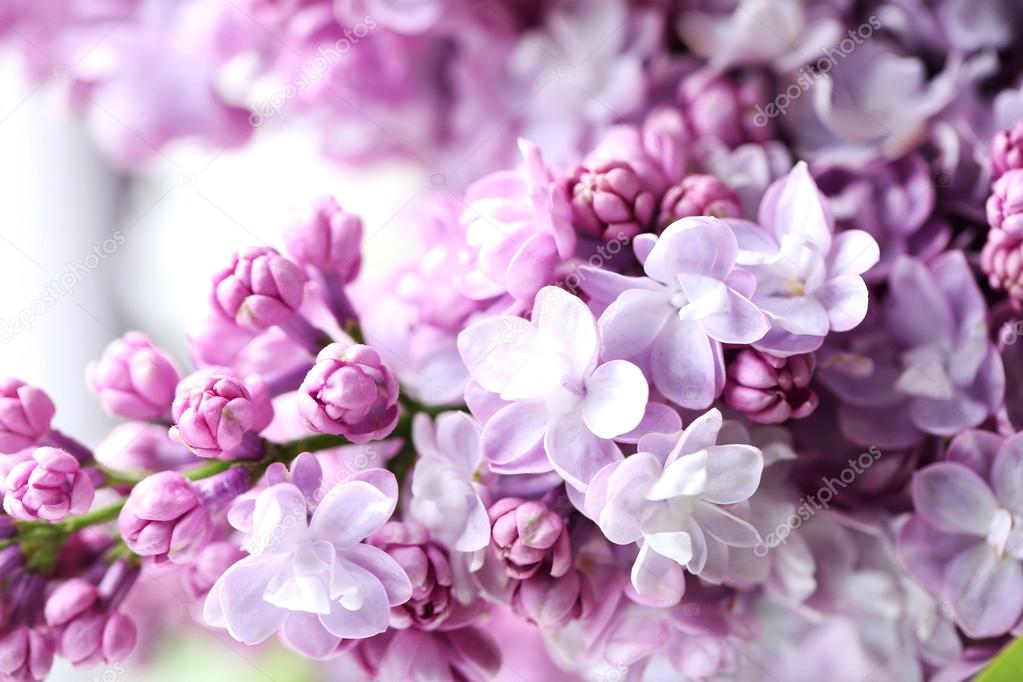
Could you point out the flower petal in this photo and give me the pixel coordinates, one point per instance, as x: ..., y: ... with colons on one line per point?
x: 657, y: 580
x: 953, y: 498
x: 616, y: 397
x: 371, y: 616
x: 986, y: 592
x: 682, y: 364
x: 575, y: 452
x: 248, y: 617
x: 350, y: 512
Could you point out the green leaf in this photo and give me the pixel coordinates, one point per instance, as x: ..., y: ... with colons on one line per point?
x: 1007, y: 666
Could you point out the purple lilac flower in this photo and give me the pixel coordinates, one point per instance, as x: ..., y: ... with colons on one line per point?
x: 312, y: 577
x: 165, y: 518
x: 134, y: 379
x: 670, y: 496
x: 349, y: 392
x: 963, y: 542
x: 674, y: 321
x: 561, y: 401
x: 25, y: 415
x: 50, y: 486
x: 768, y: 389
x: 214, y: 412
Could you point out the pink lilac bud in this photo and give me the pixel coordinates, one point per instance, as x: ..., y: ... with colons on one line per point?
x: 134, y: 379
x: 165, y: 519
x: 611, y: 201
x: 768, y: 389
x: 699, y: 195
x: 725, y: 107
x: 1005, y: 205
x: 50, y: 486
x: 88, y: 631
x: 25, y: 653
x: 526, y: 534
x: 142, y: 446
x: 1007, y: 151
x: 25, y: 415
x: 327, y: 238
x: 213, y: 413
x: 210, y: 564
x: 260, y: 289
x: 552, y: 602
x: 1002, y: 261
x: 349, y: 392
x: 427, y: 566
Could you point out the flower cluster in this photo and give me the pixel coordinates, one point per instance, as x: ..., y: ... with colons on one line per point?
x: 710, y: 373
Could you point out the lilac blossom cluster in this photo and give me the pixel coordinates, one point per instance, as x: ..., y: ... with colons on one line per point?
x: 684, y: 390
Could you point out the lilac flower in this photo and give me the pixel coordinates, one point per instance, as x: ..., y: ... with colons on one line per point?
x: 611, y: 201
x: 519, y: 224
x: 669, y: 496
x: 931, y: 368
x: 88, y: 633
x: 260, y: 289
x: 447, y: 496
x: 674, y: 321
x: 50, y: 486
x: 25, y: 653
x: 412, y: 655
x: 165, y: 518
x: 328, y: 238
x: 1005, y: 205
x: 528, y: 534
x: 964, y: 541
x: 1002, y: 261
x: 768, y: 389
x: 427, y: 566
x: 807, y: 280
x: 1007, y: 150
x: 783, y: 33
x: 214, y: 412
x: 558, y: 395
x: 312, y: 577
x: 134, y: 379
x: 349, y: 392
x: 724, y: 108
x: 25, y: 415
x: 698, y: 195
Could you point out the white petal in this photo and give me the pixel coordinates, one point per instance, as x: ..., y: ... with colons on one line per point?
x: 725, y: 526
x: 682, y: 365
x: 496, y: 351
x: 733, y: 473
x: 676, y: 546
x: 616, y: 397
x: 657, y: 580
x: 575, y: 452
x: 567, y: 325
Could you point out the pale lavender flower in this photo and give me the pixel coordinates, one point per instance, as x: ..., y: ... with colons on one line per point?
x: 447, y: 493
x: 670, y: 496
x: 808, y: 281
x: 931, y: 368
x: 518, y: 223
x: 964, y: 543
x: 311, y: 576
x: 674, y: 321
x: 559, y: 397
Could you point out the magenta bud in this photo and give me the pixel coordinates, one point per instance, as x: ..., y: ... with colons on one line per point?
x: 134, y: 379
x: 611, y: 201
x: 427, y: 566
x: 1005, y: 205
x: 1002, y: 262
x: 724, y: 107
x: 50, y: 486
x: 119, y: 638
x: 1007, y: 151
x: 699, y: 195
x: 326, y: 237
x: 527, y: 534
x: 25, y: 653
x: 165, y: 519
x: 552, y: 602
x: 349, y: 392
x: 25, y: 415
x: 214, y: 412
x: 768, y: 389
x: 260, y: 289
x: 98, y: 637
x: 71, y: 598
